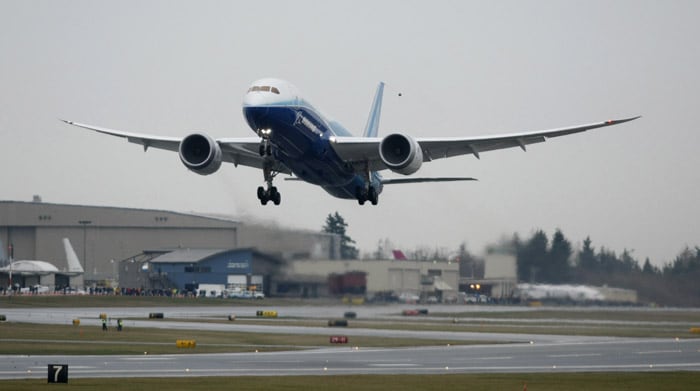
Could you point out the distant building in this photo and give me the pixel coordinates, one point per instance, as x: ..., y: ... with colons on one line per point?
x: 103, y: 236
x: 192, y: 269
x: 500, y: 278
x: 310, y: 278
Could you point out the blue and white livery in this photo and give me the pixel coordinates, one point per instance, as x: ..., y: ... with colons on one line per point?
x: 292, y: 137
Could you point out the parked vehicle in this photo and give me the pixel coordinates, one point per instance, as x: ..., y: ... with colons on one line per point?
x: 408, y: 297
x: 241, y: 294
x: 40, y: 289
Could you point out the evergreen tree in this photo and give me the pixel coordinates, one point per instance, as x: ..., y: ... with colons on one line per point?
x: 532, y: 257
x: 628, y: 263
x: 587, y: 259
x: 558, y: 268
x: 335, y: 224
x: 649, y: 268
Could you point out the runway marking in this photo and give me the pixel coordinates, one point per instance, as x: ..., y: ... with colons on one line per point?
x: 660, y: 352
x: 574, y: 355
x: 495, y: 358
x: 393, y: 365
x: 147, y: 358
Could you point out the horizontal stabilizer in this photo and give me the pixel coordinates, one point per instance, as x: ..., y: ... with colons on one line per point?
x: 395, y: 181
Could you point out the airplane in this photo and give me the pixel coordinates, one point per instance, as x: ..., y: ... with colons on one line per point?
x: 295, y: 138
x: 33, y: 267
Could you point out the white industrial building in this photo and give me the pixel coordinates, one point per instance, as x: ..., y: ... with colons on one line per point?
x: 399, y: 276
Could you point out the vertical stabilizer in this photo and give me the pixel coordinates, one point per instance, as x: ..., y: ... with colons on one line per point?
x: 372, y: 127
x: 73, y: 262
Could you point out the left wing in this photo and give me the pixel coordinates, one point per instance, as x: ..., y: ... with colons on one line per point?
x: 241, y: 150
x: 366, y: 150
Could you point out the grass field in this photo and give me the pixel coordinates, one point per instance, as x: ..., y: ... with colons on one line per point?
x: 35, y: 339
x: 632, y: 322
x: 667, y: 381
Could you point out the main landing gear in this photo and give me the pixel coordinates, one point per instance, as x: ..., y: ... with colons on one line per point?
x: 369, y: 194
x: 270, y: 192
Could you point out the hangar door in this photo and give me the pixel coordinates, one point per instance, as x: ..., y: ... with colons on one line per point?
x: 404, y: 279
x: 234, y: 281
x: 237, y: 281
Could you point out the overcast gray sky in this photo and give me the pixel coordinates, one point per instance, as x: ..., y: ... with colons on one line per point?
x: 464, y: 69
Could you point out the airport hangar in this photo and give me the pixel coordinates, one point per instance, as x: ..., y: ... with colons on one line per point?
x: 104, y: 236
x: 287, y: 262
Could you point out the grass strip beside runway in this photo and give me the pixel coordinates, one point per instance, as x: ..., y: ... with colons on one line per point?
x: 668, y: 381
x: 40, y: 339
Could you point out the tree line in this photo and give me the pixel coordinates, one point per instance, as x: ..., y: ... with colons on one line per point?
x: 540, y: 261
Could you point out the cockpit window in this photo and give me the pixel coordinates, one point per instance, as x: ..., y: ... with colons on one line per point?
x: 274, y: 90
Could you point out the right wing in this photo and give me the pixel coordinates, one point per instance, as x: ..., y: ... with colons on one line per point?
x: 365, y: 150
x: 240, y: 150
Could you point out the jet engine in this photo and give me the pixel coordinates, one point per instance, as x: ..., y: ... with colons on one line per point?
x: 401, y: 153
x: 200, y: 153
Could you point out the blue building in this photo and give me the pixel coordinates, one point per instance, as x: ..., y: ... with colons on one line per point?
x: 187, y: 269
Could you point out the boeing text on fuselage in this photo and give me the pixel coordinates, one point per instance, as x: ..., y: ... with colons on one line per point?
x: 294, y: 138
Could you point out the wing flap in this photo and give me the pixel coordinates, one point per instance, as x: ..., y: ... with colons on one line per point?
x: 396, y: 181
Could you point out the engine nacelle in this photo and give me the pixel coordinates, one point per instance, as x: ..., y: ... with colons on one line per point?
x: 401, y: 153
x: 200, y: 153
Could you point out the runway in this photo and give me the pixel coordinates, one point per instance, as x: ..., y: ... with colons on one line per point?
x: 621, y: 355
x: 512, y: 353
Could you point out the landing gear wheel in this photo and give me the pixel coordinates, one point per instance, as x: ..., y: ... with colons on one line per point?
x: 372, y: 195
x: 265, y: 149
x: 269, y: 195
x: 360, y: 195
x: 263, y: 195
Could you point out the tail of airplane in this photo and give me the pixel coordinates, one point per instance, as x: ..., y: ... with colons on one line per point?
x: 74, y: 265
x: 372, y: 127
x: 399, y: 255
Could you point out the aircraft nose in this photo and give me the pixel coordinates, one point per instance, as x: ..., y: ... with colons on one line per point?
x: 256, y: 99
x: 256, y: 117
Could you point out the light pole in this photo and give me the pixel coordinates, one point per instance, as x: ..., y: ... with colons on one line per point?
x: 85, y: 223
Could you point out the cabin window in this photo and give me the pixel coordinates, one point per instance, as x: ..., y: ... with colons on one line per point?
x: 274, y: 90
